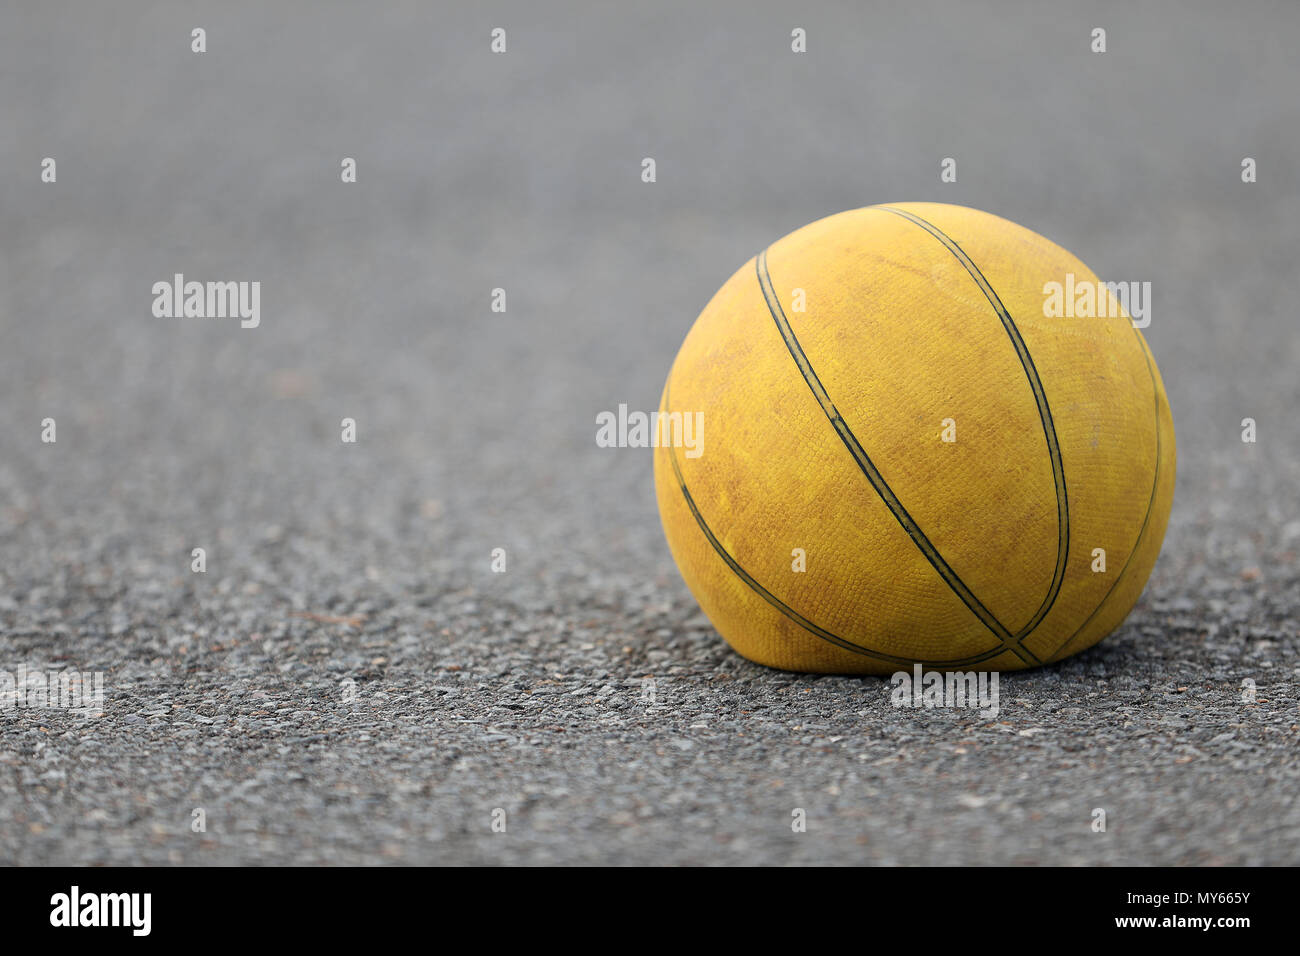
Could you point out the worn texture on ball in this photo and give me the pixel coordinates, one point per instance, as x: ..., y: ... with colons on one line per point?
x: 823, y: 434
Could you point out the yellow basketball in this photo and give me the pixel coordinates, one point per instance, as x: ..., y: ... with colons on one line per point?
x: 912, y: 451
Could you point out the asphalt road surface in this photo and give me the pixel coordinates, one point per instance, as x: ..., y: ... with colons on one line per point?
x: 349, y: 681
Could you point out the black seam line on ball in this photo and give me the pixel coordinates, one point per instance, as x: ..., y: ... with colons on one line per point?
x: 873, y: 475
x: 1044, y: 413
x: 790, y: 612
x: 1151, y: 503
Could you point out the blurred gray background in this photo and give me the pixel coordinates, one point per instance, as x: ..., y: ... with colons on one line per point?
x: 226, y: 691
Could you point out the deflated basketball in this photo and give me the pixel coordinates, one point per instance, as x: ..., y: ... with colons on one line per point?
x: 929, y: 436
